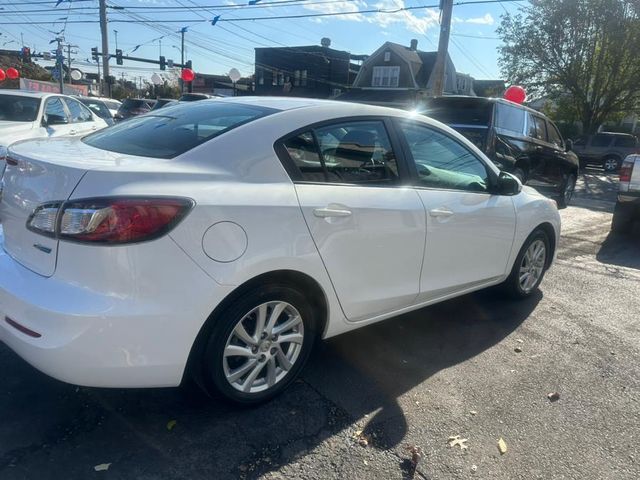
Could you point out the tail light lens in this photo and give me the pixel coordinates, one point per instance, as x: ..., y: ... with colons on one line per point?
x: 625, y: 171
x: 111, y: 221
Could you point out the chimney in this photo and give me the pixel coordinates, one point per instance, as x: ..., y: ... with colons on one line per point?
x: 414, y: 44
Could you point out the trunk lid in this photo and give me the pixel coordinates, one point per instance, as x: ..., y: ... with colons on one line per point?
x: 38, y: 172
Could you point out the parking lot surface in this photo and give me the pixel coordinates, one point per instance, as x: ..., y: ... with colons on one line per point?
x: 479, y: 366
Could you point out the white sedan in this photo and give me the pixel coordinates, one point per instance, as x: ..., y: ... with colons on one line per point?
x: 217, y: 239
x: 25, y: 114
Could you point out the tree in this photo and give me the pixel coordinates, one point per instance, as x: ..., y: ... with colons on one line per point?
x: 589, y: 49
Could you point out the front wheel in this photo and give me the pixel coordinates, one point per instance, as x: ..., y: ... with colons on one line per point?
x: 529, y: 267
x: 259, y: 344
x: 567, y: 190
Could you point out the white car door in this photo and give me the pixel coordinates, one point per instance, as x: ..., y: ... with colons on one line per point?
x: 367, y: 227
x: 82, y: 120
x: 470, y: 230
x: 57, y: 118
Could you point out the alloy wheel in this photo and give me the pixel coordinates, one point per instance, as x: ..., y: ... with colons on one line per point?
x: 263, y: 347
x: 532, y: 265
x: 569, y: 189
x: 610, y: 164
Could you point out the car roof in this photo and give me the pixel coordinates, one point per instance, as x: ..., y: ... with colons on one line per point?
x: 28, y: 93
x: 486, y: 100
x: 292, y: 103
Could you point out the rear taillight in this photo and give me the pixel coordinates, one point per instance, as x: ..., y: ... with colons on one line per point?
x: 109, y: 221
x: 626, y: 170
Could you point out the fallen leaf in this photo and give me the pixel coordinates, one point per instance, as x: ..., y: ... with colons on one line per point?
x: 363, y: 440
x: 461, y: 442
x: 473, y: 412
x: 502, y: 446
x: 416, y: 453
x: 520, y: 340
x: 553, y: 396
x: 517, y: 349
x: 171, y: 424
x: 103, y: 467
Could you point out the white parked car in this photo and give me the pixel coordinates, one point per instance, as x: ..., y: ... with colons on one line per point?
x: 218, y: 239
x: 25, y: 114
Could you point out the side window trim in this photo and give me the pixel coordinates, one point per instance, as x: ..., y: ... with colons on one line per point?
x: 411, y: 165
x: 404, y: 169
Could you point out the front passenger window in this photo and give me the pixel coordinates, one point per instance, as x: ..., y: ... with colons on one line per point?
x: 442, y: 162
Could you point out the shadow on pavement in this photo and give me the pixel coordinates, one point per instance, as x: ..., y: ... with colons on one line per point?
x: 54, y: 430
x: 621, y: 250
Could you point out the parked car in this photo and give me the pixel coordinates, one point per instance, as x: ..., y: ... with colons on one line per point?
x: 606, y: 149
x: 189, y: 251
x: 132, y: 107
x: 627, y: 209
x: 104, y: 108
x: 517, y: 139
x: 163, y: 102
x: 25, y: 114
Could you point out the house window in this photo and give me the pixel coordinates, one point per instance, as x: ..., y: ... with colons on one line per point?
x: 387, y: 56
x: 296, y: 78
x: 260, y: 76
x: 303, y: 78
x: 274, y: 77
x: 385, y: 76
x: 280, y: 78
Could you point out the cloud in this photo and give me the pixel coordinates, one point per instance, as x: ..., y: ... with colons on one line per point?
x: 487, y: 19
x: 418, y: 22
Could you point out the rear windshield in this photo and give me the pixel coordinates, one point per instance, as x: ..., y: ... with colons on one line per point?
x: 175, y: 129
x: 460, y: 111
x: 131, y: 103
x: 16, y: 108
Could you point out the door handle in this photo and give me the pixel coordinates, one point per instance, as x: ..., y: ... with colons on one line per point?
x: 331, y: 212
x: 440, y: 212
x: 72, y: 132
x: 95, y: 127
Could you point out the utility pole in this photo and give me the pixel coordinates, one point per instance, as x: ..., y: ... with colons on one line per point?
x: 182, y: 31
x: 22, y: 39
x: 105, y: 44
x: 443, y: 45
x: 115, y: 32
x: 160, y: 46
x: 59, y: 62
x: 69, y: 46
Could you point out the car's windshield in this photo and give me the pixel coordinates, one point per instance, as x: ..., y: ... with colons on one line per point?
x: 17, y: 108
x: 175, y: 130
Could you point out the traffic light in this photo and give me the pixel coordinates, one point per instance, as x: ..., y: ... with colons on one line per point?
x: 170, y: 63
x: 163, y: 63
x: 26, y: 54
x: 188, y: 65
x: 119, y: 56
x: 94, y: 54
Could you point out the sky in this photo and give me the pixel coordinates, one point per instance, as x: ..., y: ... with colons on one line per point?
x: 215, y: 49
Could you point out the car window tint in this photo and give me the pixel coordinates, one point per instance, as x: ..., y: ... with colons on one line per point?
x: 541, y: 128
x: 509, y: 118
x: 357, y: 152
x: 17, y: 108
x: 554, y: 135
x: 442, y: 162
x: 531, y: 126
x: 304, y: 153
x: 625, y: 142
x: 601, y: 140
x: 79, y: 113
x: 580, y: 141
x: 174, y: 130
x: 55, y: 108
x: 98, y: 108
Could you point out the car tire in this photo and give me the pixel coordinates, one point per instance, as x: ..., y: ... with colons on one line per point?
x: 269, y: 363
x: 611, y: 164
x: 567, y: 190
x: 517, y: 287
x: 622, y: 221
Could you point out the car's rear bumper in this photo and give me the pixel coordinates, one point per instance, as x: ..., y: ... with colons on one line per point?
x: 137, y: 332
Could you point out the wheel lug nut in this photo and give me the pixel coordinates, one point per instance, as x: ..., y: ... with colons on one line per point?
x: 274, y: 338
x: 254, y: 349
x: 264, y: 335
x: 263, y: 358
x: 273, y: 351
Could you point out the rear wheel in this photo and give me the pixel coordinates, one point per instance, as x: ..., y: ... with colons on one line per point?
x: 611, y: 164
x: 529, y: 267
x: 259, y: 344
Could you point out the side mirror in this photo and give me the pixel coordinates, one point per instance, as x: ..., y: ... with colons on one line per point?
x: 508, y: 184
x: 568, y: 145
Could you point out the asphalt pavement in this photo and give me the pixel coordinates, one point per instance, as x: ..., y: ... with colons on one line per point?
x: 479, y: 366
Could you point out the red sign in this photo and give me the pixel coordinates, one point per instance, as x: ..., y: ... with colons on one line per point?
x: 49, y: 87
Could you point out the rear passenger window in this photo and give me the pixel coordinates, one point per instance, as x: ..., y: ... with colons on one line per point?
x: 510, y: 118
x: 79, y: 113
x: 541, y: 128
x: 350, y: 152
x: 625, y: 142
x: 601, y: 141
x: 531, y: 126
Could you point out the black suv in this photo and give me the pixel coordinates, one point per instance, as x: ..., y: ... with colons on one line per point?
x: 606, y: 149
x: 517, y: 139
